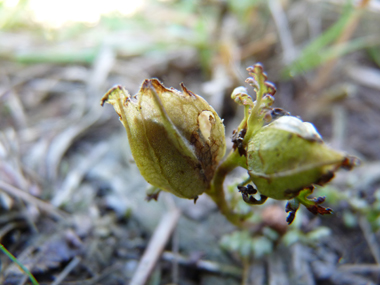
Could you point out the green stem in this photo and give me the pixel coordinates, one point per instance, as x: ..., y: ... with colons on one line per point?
x: 23, y: 268
x: 216, y: 191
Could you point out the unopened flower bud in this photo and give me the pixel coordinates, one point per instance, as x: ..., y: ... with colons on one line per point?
x: 176, y: 138
x: 289, y: 155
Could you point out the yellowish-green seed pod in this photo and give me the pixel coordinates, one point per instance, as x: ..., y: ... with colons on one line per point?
x: 289, y: 155
x: 176, y: 138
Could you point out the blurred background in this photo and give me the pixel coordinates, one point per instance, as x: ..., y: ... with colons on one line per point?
x: 72, y: 202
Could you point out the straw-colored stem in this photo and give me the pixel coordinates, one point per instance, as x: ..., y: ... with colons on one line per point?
x: 325, y: 71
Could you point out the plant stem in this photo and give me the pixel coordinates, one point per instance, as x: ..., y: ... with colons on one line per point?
x: 216, y: 191
x: 22, y: 267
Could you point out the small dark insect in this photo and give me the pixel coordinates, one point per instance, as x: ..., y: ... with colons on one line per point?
x: 290, y: 217
x: 246, y: 193
x: 237, y: 140
x: 291, y: 209
x: 278, y: 112
x: 150, y: 197
x: 248, y: 190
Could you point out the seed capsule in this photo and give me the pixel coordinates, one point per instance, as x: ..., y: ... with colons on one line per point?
x: 176, y: 138
x: 289, y: 155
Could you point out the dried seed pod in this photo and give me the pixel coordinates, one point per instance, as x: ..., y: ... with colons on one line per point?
x: 176, y: 138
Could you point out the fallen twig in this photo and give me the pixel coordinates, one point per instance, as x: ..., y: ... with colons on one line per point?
x: 284, y: 33
x: 370, y: 238
x: 46, y: 207
x: 75, y: 176
x: 155, y: 247
x: 73, y: 263
x: 360, y: 268
x: 206, y: 265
